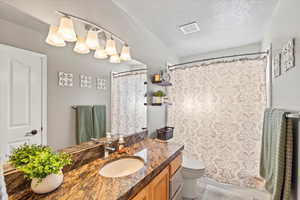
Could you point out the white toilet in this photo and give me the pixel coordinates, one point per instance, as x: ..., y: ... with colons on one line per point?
x: 192, y: 170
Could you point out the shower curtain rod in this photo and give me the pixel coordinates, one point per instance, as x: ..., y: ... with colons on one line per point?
x: 216, y: 58
x: 124, y: 72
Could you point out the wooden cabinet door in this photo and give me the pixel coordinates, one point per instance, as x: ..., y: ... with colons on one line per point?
x: 142, y: 195
x: 159, y: 186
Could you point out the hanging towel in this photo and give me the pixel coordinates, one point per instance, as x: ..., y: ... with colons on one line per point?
x: 99, y: 120
x: 276, y: 153
x: 3, y: 194
x: 84, y: 118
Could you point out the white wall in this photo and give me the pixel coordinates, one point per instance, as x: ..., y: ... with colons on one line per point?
x: 285, y: 24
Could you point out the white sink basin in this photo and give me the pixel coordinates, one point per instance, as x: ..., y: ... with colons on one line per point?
x: 122, y: 167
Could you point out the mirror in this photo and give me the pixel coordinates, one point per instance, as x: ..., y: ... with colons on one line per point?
x: 125, y: 112
x: 59, y: 97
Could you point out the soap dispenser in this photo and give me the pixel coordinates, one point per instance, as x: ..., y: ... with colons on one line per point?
x: 121, y: 144
x: 108, y: 136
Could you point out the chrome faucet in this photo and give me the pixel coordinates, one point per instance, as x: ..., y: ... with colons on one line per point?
x: 108, y: 149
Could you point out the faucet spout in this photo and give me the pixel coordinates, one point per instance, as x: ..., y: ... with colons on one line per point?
x: 108, y: 149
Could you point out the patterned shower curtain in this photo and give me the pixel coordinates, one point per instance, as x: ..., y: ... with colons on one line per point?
x: 217, y: 112
x: 129, y: 114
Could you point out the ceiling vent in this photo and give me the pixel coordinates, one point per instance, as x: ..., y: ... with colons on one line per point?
x: 189, y: 28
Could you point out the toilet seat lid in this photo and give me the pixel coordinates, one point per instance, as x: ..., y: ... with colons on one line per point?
x: 192, y: 164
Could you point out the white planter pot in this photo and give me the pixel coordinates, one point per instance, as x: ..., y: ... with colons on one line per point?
x: 156, y: 99
x: 48, y: 184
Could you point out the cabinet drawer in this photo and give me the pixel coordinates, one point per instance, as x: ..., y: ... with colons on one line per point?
x: 175, y: 164
x: 176, y: 182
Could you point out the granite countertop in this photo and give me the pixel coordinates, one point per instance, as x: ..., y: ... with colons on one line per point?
x: 85, y: 182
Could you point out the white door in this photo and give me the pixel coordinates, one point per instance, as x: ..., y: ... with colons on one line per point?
x: 21, y: 98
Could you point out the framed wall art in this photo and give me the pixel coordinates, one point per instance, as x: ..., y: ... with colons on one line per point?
x: 100, y: 84
x: 65, y: 79
x: 288, y: 55
x: 277, y: 65
x: 85, y: 81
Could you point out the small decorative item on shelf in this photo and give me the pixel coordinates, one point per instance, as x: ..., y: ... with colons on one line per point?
x: 165, y: 133
x: 156, y: 78
x: 157, y: 97
x: 162, y: 79
x: 40, y: 165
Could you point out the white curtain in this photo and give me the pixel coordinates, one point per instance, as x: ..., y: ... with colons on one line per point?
x: 217, y: 113
x: 129, y: 114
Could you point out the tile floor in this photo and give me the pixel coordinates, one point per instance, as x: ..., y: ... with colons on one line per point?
x: 212, y: 190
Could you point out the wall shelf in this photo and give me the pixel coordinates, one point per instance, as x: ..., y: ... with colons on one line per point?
x: 153, y: 104
x: 162, y: 83
x: 158, y: 104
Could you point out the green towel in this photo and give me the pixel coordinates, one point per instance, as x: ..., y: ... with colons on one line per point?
x: 99, y: 118
x: 276, y: 153
x: 84, y: 117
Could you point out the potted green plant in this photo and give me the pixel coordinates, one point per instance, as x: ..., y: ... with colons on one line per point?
x: 41, y: 165
x: 157, y: 97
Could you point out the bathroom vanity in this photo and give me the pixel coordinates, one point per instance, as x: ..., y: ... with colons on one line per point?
x: 158, y: 179
x: 166, y: 185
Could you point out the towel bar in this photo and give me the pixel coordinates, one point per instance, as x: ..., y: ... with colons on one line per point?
x: 293, y: 115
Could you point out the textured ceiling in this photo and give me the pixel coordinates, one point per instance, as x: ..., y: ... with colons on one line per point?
x: 223, y: 23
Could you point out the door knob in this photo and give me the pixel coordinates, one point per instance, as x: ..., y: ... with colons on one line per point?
x: 31, y: 133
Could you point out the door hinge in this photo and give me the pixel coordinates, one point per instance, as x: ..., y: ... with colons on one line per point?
x: 41, y: 128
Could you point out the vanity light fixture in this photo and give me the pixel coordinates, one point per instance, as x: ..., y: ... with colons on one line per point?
x: 92, y: 39
x: 100, y: 53
x: 125, y: 53
x: 66, y: 29
x: 111, y: 47
x: 58, y: 36
x: 54, y: 38
x: 115, y: 59
x: 81, y: 46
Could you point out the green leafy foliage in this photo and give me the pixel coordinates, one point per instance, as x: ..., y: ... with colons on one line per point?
x: 37, y: 161
x: 159, y: 93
